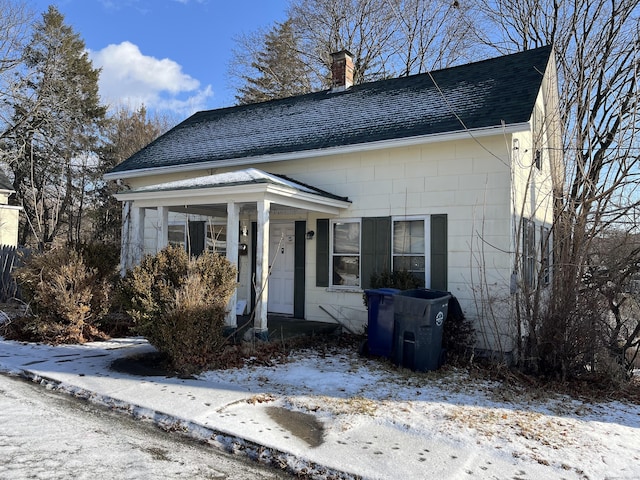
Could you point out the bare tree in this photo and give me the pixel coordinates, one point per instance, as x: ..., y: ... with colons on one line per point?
x: 387, y: 38
x: 124, y: 134
x: 15, y: 25
x: 364, y: 27
x: 429, y: 35
x: 597, y: 44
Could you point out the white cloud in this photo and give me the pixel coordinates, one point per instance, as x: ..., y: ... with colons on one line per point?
x: 128, y: 77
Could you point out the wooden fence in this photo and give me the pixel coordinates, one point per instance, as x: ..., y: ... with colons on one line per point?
x: 10, y: 259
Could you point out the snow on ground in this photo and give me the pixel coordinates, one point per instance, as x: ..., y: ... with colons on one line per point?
x: 376, y: 421
x: 592, y: 440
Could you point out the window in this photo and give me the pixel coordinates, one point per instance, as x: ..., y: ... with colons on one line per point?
x: 216, y: 240
x: 345, y: 253
x: 528, y: 252
x: 177, y: 235
x: 409, y: 246
x: 545, y: 248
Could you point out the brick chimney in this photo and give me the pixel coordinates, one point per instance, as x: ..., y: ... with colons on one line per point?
x: 341, y: 70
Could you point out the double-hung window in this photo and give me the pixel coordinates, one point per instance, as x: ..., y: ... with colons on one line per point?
x: 409, y: 246
x: 345, y: 253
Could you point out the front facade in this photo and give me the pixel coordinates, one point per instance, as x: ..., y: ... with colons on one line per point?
x: 319, y: 192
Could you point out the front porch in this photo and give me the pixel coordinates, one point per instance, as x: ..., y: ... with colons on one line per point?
x: 261, y: 216
x: 285, y: 327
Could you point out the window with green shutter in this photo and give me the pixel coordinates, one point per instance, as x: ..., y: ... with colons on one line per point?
x: 439, y: 252
x: 348, y: 249
x: 322, y: 252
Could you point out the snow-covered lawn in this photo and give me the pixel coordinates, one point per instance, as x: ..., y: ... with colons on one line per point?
x: 575, y: 438
x: 358, y: 415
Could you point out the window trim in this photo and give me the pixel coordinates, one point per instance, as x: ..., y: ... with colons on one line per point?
x: 427, y: 242
x: 332, y: 254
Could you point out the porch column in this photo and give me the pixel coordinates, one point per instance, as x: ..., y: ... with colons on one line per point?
x: 136, y: 250
x: 262, y: 270
x: 163, y: 228
x: 125, y: 239
x: 233, y: 234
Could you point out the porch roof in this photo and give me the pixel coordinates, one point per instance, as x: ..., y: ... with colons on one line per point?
x: 241, y: 186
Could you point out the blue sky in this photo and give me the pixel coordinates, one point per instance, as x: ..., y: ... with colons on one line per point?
x: 171, y: 55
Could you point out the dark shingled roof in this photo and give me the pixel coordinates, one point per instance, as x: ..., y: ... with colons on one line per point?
x: 481, y: 94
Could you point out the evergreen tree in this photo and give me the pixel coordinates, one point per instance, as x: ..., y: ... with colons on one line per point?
x: 57, y: 131
x: 126, y: 132
x: 276, y: 70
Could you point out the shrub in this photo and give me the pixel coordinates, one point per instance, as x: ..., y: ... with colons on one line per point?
x: 458, y: 334
x: 65, y: 297
x: 179, y: 304
x: 105, y: 259
x: 402, y: 280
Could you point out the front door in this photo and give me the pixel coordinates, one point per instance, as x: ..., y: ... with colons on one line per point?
x: 282, y: 265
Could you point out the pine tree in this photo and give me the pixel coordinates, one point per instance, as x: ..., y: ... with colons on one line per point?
x: 278, y: 68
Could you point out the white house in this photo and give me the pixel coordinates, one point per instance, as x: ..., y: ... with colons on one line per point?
x: 436, y: 173
x: 8, y: 214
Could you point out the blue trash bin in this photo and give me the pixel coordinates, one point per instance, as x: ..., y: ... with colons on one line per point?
x: 419, y: 316
x: 380, y: 321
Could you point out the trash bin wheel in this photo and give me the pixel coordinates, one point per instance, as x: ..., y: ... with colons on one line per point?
x: 364, y: 348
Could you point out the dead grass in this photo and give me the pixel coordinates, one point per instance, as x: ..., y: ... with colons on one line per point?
x: 336, y: 406
x: 554, y: 432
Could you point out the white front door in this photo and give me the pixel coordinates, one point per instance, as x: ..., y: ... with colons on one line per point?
x: 282, y: 263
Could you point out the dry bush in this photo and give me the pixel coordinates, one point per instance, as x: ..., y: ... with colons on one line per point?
x: 190, y: 332
x: 65, y: 298
x: 179, y: 304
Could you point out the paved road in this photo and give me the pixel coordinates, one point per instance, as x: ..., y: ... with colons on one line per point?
x: 48, y: 435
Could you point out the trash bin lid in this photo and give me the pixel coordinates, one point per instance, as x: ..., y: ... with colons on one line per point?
x: 382, y: 291
x: 425, y: 294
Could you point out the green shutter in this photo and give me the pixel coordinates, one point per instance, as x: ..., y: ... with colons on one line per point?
x: 196, y: 238
x: 375, y: 254
x: 439, y: 264
x: 254, y: 262
x: 299, y: 269
x: 322, y: 252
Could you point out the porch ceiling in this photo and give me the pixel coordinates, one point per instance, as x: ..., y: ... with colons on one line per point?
x: 243, y: 186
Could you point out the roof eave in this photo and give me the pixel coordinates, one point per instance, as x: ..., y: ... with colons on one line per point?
x: 242, y: 193
x: 362, y: 147
x: 4, y: 206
